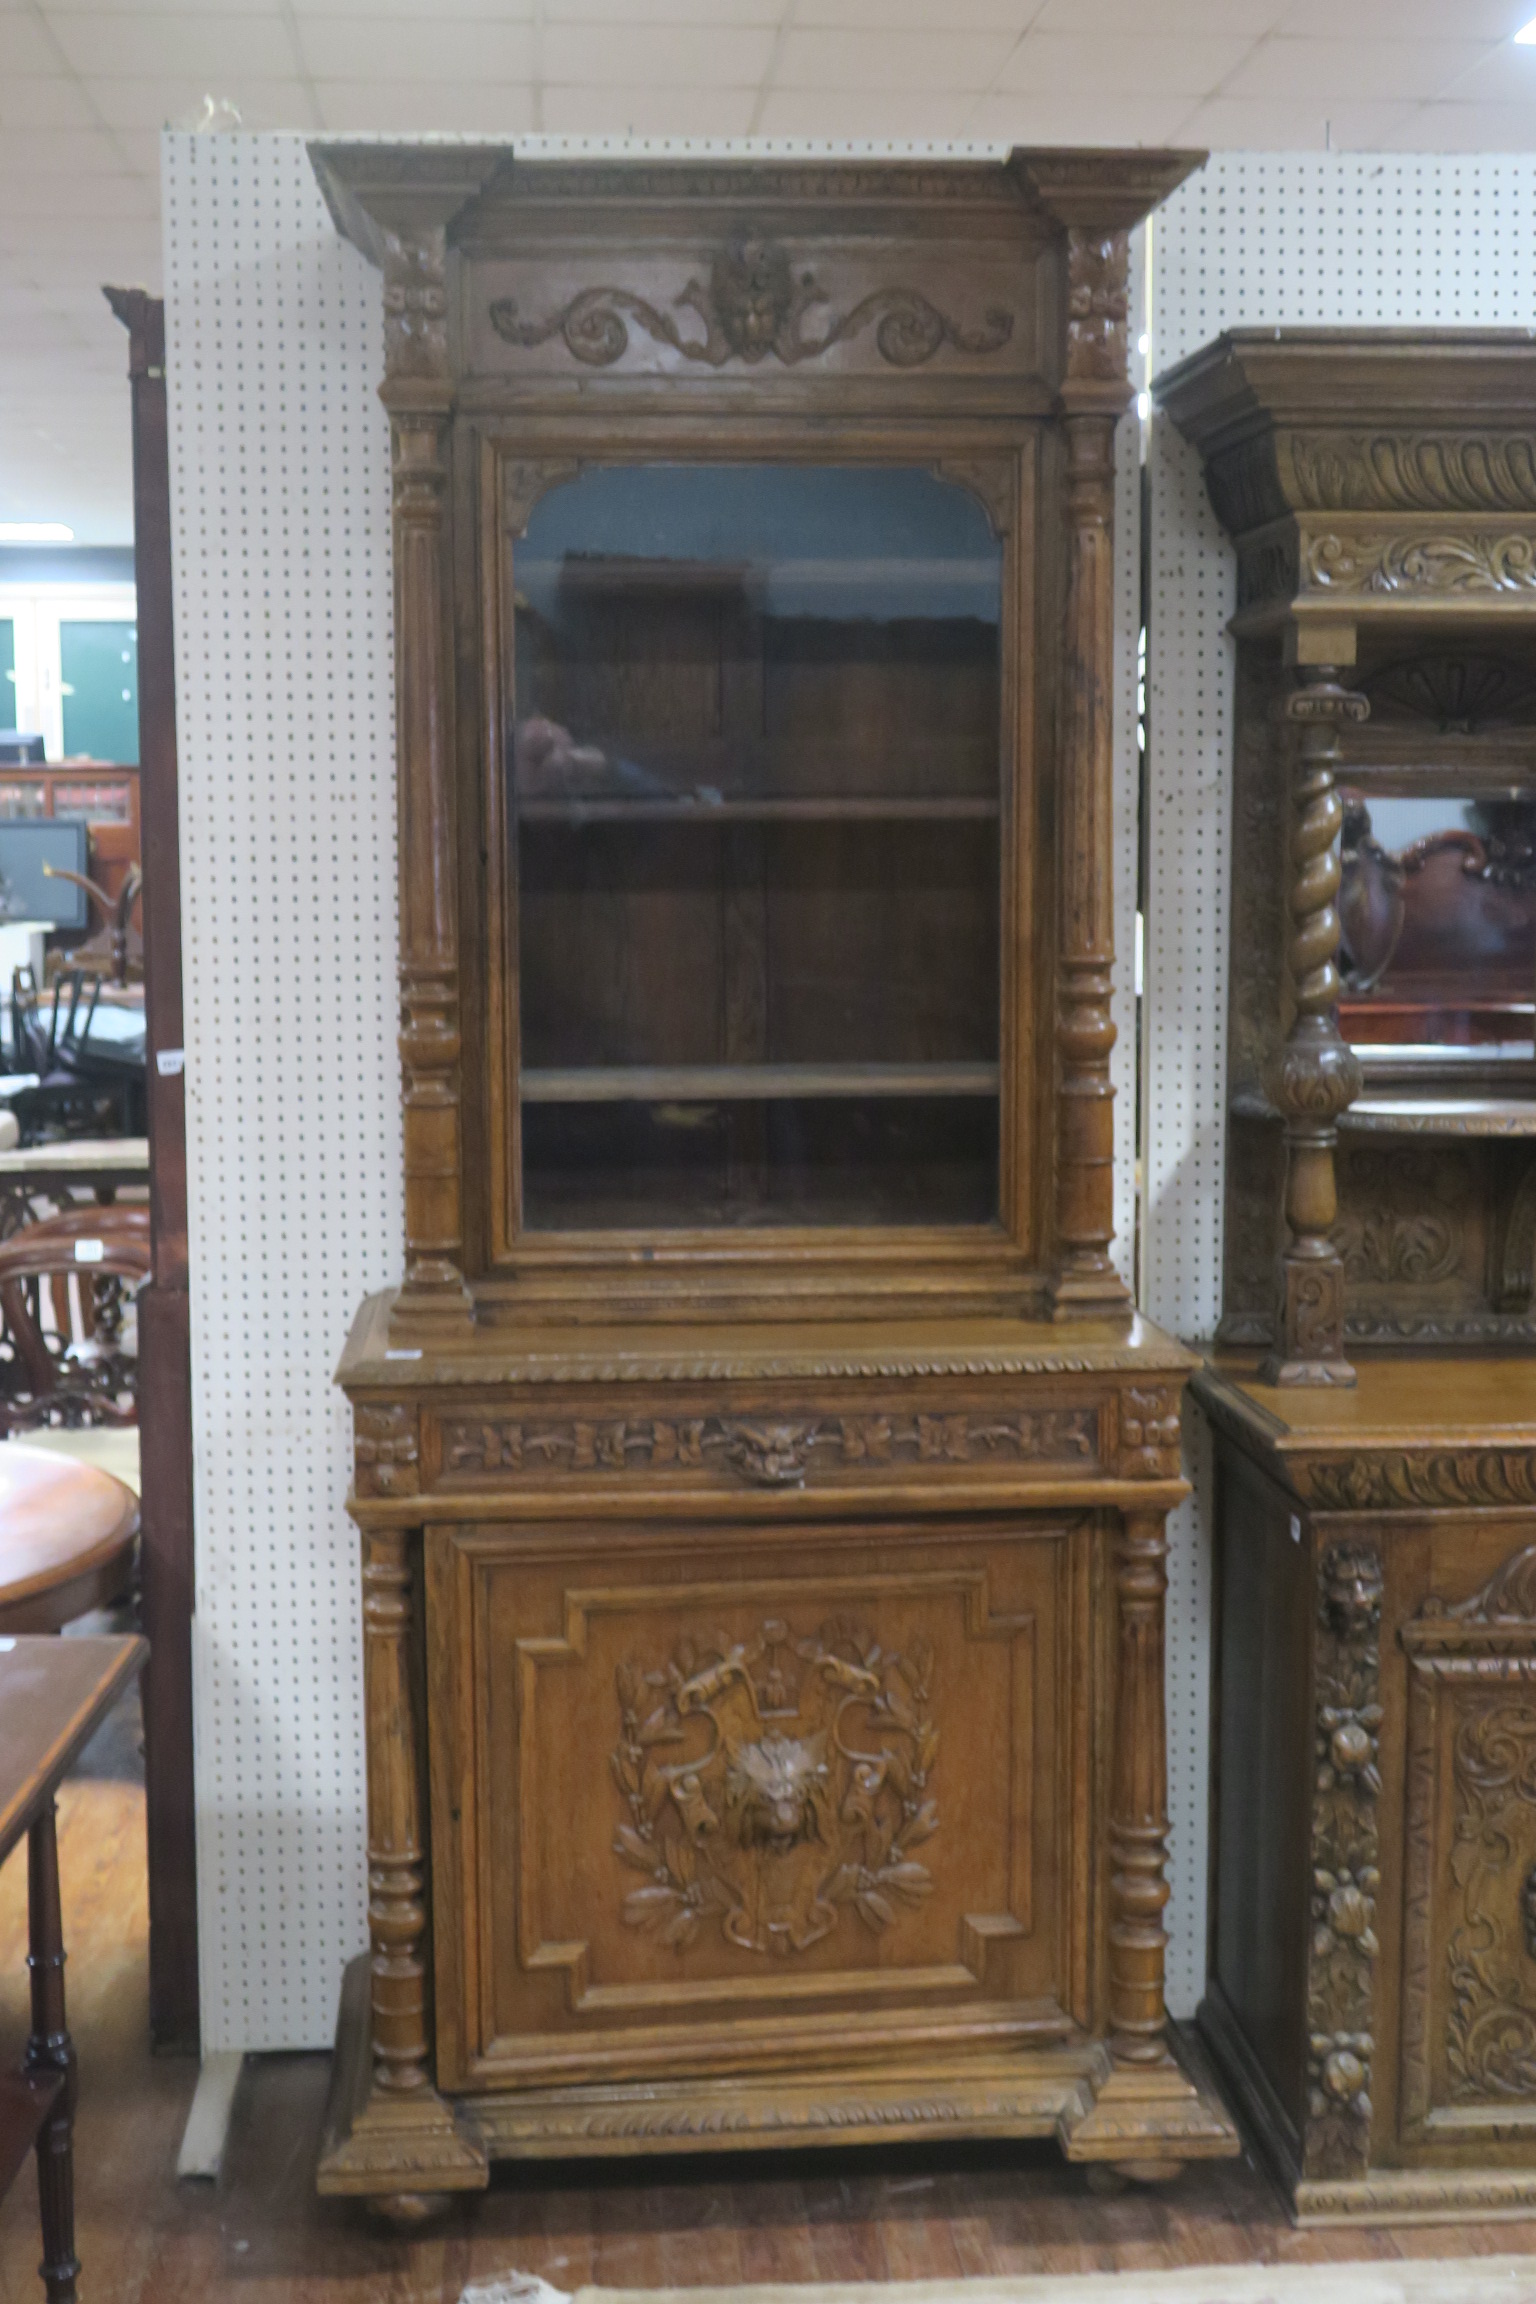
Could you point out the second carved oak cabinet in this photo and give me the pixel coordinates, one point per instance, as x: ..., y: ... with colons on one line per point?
x: 1373, y: 1987
x: 761, y: 1471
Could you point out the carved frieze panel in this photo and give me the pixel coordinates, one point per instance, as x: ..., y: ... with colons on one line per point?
x: 770, y: 1787
x: 1341, y: 1964
x: 752, y: 301
x: 1469, y: 1945
x: 1409, y: 471
x: 780, y: 1451
x: 1403, y: 562
x: 1441, y: 1479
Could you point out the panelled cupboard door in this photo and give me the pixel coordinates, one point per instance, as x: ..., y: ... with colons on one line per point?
x: 709, y: 1798
x: 1468, y: 1997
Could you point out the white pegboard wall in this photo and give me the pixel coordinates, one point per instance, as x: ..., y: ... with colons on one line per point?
x: 1254, y: 240
x: 280, y: 511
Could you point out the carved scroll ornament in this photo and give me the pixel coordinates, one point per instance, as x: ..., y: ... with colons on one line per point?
x: 753, y: 306
x: 1388, y: 563
x: 768, y: 1786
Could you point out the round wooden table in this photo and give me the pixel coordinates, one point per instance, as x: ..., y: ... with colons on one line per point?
x: 67, y: 1533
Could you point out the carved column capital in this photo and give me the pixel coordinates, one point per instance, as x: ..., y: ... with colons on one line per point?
x: 1098, y: 305
x: 416, y: 308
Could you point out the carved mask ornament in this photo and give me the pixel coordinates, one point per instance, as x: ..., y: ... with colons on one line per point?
x: 771, y: 1783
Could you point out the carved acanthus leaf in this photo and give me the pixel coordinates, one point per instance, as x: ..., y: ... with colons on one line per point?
x: 1424, y: 472
x: 1445, y: 1480
x: 1387, y: 563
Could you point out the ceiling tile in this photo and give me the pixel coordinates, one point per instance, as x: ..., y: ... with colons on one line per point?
x: 640, y: 111
x: 24, y: 47
x: 218, y: 48
x: 1075, y: 64
x: 1235, y: 19
x: 33, y: 101
x: 491, y: 108
x: 431, y: 48
x: 840, y: 113
x: 705, y: 12
x: 1503, y: 75
x: 1023, y: 117
x: 1404, y: 19
x: 1256, y: 123
x: 1010, y: 16
x: 868, y: 60
x: 157, y: 102
x: 1293, y: 68
x: 655, y: 55
x: 1468, y: 128
x: 35, y: 152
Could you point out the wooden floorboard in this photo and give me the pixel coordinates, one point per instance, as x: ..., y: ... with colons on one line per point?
x: 261, y: 2236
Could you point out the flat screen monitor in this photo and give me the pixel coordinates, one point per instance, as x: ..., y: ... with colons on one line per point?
x: 26, y: 891
x: 17, y: 749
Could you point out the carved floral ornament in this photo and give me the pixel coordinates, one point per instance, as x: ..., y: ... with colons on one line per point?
x: 768, y: 1786
x: 753, y: 307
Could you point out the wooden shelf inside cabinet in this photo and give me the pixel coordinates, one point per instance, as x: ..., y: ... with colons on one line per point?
x: 749, y: 1083
x: 822, y: 810
x: 1441, y: 1116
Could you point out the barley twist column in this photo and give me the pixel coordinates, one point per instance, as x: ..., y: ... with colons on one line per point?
x: 1315, y: 1075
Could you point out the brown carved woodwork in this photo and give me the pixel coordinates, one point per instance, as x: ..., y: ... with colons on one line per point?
x: 1138, y: 1826
x: 1384, y: 517
x: 806, y: 1791
x: 752, y: 305
x: 1315, y: 1075
x: 764, y: 1596
x: 1373, y: 2000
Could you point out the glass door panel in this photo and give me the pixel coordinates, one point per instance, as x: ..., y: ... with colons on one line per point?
x: 756, y: 806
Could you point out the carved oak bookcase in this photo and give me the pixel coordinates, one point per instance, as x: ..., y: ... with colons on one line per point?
x: 761, y: 1470
x: 1373, y: 1991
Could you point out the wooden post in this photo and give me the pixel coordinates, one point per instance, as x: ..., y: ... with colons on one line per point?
x: 165, y: 1352
x: 1095, y: 390
x: 397, y: 1911
x: 50, y: 2049
x: 418, y: 394
x: 1315, y: 1075
x: 1138, y: 1821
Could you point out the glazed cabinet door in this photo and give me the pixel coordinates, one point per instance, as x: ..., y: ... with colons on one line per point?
x: 1468, y: 1998
x: 716, y: 1798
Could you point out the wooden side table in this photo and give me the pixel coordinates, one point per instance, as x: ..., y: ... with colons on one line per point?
x: 53, y: 1696
x: 67, y: 1536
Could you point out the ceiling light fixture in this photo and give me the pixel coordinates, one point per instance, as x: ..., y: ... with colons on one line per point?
x: 35, y: 532
x: 1526, y: 36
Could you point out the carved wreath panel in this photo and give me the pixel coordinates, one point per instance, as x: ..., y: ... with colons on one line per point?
x: 753, y: 306
x: 768, y: 1788
x: 1470, y: 1858
x: 1341, y: 1966
x: 765, y: 1452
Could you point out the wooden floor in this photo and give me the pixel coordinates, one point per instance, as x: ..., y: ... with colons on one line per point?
x: 261, y: 2237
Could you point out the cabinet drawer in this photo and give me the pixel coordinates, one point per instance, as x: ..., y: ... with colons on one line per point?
x: 712, y: 1797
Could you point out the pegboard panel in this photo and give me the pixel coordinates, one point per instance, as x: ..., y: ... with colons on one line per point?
x: 280, y: 508
x: 1254, y: 240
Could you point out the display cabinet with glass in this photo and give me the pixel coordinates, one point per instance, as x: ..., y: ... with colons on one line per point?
x: 761, y: 1468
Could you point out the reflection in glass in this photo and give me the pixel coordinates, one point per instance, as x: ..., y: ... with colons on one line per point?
x: 755, y: 769
x: 1437, y: 914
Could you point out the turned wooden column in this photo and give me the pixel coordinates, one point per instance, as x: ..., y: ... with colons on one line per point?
x: 1138, y: 1820
x: 1315, y: 1074
x: 417, y: 392
x: 50, y: 2049
x: 397, y: 1912
x: 1094, y: 395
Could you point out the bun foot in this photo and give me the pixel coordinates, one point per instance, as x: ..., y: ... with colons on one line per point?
x: 1149, y: 2171
x: 405, y: 2210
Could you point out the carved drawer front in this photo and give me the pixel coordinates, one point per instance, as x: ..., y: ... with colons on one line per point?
x: 1469, y: 1911
x: 708, y: 1796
